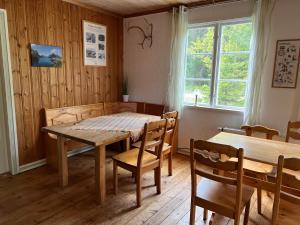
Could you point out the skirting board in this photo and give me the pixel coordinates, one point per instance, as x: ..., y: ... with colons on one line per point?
x: 43, y: 162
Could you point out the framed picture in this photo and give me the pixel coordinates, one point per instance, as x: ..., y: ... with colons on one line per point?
x: 94, y: 44
x: 286, y: 64
x: 45, y: 56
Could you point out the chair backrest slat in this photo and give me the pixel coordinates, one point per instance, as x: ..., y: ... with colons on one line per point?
x: 172, y: 118
x: 291, y: 132
x: 269, y: 132
x: 215, y: 162
x: 225, y: 180
x: 154, y: 134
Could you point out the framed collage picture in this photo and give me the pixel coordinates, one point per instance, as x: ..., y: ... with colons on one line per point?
x: 94, y: 44
x: 286, y: 64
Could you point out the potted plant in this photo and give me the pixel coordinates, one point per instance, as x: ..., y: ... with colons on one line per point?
x: 125, y: 90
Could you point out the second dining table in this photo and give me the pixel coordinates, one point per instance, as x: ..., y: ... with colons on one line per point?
x: 258, y: 149
x: 98, y: 132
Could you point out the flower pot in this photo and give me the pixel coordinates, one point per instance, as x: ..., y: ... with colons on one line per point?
x: 125, y: 98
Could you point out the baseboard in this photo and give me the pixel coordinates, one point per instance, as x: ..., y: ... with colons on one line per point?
x: 43, y: 162
x: 183, y: 151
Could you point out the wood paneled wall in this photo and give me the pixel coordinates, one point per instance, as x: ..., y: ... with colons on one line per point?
x: 53, y: 22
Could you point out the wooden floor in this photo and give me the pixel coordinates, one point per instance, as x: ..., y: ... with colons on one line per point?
x: 34, y: 198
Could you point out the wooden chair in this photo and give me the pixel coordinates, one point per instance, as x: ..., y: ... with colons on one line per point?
x: 169, y: 140
x: 291, y: 132
x: 256, y: 169
x: 287, y: 196
x: 218, y: 193
x: 139, y: 161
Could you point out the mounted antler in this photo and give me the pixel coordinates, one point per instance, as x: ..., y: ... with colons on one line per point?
x: 145, y: 36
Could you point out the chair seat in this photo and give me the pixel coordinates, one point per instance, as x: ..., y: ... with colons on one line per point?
x: 131, y: 157
x: 166, y: 146
x: 222, y: 194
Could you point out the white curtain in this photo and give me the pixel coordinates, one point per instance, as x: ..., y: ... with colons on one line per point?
x: 261, y: 19
x: 177, y: 59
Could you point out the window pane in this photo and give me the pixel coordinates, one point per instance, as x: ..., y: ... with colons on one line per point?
x: 201, y: 40
x: 234, y: 66
x: 231, y: 94
x: 201, y: 88
x: 199, y: 66
x: 236, y: 37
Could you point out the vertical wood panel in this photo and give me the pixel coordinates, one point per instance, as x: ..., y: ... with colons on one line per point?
x: 58, y: 23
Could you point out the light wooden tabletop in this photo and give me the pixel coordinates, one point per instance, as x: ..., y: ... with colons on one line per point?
x: 258, y: 149
x: 90, y: 137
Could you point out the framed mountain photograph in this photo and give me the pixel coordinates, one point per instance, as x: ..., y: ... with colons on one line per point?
x: 45, y: 56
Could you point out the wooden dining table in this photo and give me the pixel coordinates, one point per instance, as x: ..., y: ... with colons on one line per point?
x: 258, y: 149
x: 97, y: 132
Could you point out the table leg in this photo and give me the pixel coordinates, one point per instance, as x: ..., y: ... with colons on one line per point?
x: 100, y: 174
x: 126, y: 143
x: 62, y: 161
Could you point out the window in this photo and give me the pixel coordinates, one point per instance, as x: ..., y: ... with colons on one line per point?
x: 217, y: 64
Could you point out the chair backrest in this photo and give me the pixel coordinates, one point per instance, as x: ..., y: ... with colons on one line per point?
x: 287, y: 184
x: 292, y: 132
x: 202, y: 152
x: 171, y: 125
x: 153, y: 137
x: 261, y: 129
x: 290, y: 189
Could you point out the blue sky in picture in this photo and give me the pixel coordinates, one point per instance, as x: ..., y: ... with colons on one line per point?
x: 46, y: 50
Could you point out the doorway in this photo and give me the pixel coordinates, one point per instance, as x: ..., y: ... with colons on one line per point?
x: 8, y: 136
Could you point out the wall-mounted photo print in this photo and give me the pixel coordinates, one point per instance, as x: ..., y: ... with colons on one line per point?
x: 94, y: 44
x: 45, y: 56
x: 286, y: 64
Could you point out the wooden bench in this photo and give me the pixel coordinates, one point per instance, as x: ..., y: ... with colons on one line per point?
x: 77, y: 113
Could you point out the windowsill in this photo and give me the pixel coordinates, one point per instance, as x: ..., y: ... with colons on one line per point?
x: 201, y: 107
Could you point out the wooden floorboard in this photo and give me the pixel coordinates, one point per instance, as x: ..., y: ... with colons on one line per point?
x: 34, y: 197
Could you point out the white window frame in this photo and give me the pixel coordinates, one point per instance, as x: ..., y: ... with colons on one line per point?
x: 215, y: 62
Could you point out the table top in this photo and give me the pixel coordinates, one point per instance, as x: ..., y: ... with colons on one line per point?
x: 95, y: 136
x: 258, y: 149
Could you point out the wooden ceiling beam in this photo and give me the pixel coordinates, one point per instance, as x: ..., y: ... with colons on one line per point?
x: 94, y: 8
x: 188, y: 5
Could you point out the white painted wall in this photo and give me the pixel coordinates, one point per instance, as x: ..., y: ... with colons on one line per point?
x: 148, y: 69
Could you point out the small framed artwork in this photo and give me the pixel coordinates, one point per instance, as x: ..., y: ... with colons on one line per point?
x: 45, y: 56
x: 94, y: 44
x: 286, y: 64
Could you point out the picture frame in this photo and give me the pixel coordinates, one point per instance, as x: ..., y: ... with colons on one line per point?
x: 45, y: 55
x: 286, y: 65
x: 94, y: 44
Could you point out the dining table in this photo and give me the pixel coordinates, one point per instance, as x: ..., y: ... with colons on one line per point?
x: 98, y: 132
x: 258, y: 149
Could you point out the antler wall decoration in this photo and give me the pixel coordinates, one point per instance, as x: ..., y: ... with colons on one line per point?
x: 146, y: 37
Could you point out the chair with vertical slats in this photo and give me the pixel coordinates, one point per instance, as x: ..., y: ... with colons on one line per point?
x: 293, y: 131
x: 172, y: 118
x: 139, y: 161
x: 287, y: 197
x: 259, y: 170
x: 220, y: 194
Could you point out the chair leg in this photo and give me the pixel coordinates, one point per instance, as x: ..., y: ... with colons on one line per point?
x: 158, y: 179
x: 205, y: 214
x: 138, y: 189
x: 170, y: 158
x: 247, y: 211
x: 192, y: 213
x: 259, y: 193
x: 115, y: 175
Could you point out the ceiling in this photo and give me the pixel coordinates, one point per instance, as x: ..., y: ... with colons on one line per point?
x: 135, y: 7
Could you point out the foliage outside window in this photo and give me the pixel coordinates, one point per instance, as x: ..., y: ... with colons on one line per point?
x: 217, y: 64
